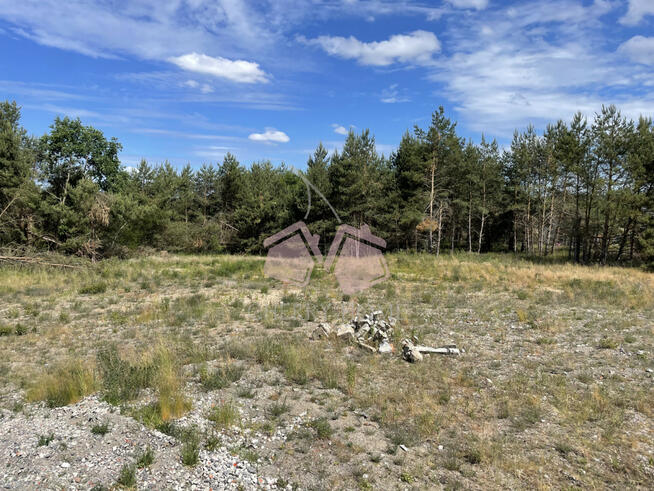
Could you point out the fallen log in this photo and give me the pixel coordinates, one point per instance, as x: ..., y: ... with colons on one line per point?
x: 36, y: 261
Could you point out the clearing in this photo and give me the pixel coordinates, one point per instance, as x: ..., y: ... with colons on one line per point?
x: 180, y: 371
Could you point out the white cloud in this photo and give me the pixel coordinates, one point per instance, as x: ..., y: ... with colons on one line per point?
x: 417, y: 47
x: 392, y: 95
x: 271, y: 135
x: 339, y: 130
x: 240, y: 71
x: 639, y: 49
x: 191, y: 83
x: 206, y: 89
x: 536, y: 62
x: 469, y: 4
x: 213, y: 151
x: 182, y: 134
x: 637, y: 10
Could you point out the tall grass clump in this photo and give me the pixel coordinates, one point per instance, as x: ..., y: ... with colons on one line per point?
x: 122, y: 379
x: 159, y: 369
x: 221, y: 378
x: 65, y: 384
x: 169, y: 384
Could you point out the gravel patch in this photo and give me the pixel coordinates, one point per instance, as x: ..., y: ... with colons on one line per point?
x: 75, y: 458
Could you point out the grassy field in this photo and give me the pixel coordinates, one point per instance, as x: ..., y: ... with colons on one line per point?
x: 555, y: 388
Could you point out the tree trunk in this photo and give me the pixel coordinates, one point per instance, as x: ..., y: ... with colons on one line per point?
x: 623, y: 240
x: 469, y: 222
x: 607, y: 218
x: 483, y: 212
x: 440, y: 227
x: 431, y: 205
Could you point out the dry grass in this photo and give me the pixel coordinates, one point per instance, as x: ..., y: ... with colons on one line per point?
x: 66, y: 384
x: 552, y: 391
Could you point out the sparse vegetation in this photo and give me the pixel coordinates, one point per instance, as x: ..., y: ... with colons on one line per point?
x: 44, y: 440
x: 190, y: 452
x: 224, y: 415
x: 100, y: 429
x: 221, y: 377
x: 127, y: 476
x: 322, y: 428
x: 542, y: 373
x: 145, y: 459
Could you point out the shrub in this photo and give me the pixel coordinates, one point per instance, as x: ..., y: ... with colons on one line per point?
x: 159, y: 369
x: 276, y: 409
x: 93, y: 288
x: 122, y: 380
x: 606, y: 343
x: 20, y: 330
x: 190, y: 452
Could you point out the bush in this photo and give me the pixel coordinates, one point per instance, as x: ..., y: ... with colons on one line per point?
x: 44, y: 440
x: 159, y: 369
x: 93, y: 288
x: 122, y: 380
x: 20, y: 330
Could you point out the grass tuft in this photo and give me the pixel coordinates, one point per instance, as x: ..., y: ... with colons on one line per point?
x: 224, y: 415
x: 65, y: 384
x: 127, y: 476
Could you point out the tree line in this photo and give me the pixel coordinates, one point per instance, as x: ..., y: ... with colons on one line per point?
x: 584, y: 189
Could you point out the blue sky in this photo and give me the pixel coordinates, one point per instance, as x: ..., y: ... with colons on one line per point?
x: 189, y: 80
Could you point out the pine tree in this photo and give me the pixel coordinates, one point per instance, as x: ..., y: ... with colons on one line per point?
x: 18, y: 193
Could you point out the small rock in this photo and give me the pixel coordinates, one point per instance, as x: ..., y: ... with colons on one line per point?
x: 385, y: 347
x: 345, y: 331
x: 322, y: 331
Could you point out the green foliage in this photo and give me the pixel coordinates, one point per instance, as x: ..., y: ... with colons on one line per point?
x: 100, y: 429
x: 584, y: 188
x: 322, y: 428
x: 221, y: 377
x: 93, y: 288
x: 191, y: 450
x: 122, y: 380
x: 224, y: 415
x: 145, y: 459
x: 45, y: 440
x: 127, y: 476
